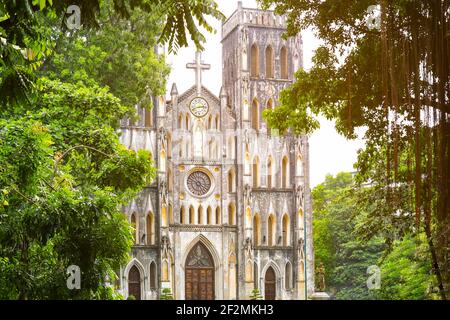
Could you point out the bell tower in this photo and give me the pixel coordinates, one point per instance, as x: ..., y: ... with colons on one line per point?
x: 273, y: 170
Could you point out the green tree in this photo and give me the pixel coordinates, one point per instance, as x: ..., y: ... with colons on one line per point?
x: 406, y: 272
x: 372, y: 78
x: 25, y: 44
x: 64, y: 176
x: 336, y: 245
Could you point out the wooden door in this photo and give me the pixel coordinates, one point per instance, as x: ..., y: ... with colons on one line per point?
x: 199, y: 274
x: 270, y: 285
x: 134, y: 283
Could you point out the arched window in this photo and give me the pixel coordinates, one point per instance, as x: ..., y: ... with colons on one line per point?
x: 247, y: 165
x: 285, y: 172
x: 248, y: 218
x: 151, y: 228
x: 254, y: 72
x: 162, y: 106
x: 165, y: 271
x: 162, y: 161
x: 301, y: 221
x: 231, y: 215
x: 257, y: 229
x: 200, y: 215
x: 217, y: 125
x: 169, y: 146
x: 148, y: 114
x: 218, y: 216
x: 180, y: 121
x: 255, y: 172
x: 284, y: 62
x: 255, y: 115
x: 169, y: 180
x: 286, y: 230
x: 269, y: 104
x: 248, y: 271
x: 191, y: 215
x: 288, y: 276
x: 164, y: 220
x: 153, y: 276
x: 271, y: 228
x: 182, y: 215
x: 170, y: 214
x: 269, y: 62
x: 231, y: 181
x: 269, y: 173
x: 210, y: 122
x: 299, y: 166
x: 231, y: 147
x: 135, y: 224
x: 209, y: 215
x: 187, y: 124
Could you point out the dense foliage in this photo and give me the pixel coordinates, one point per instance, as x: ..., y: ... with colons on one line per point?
x: 63, y: 173
x: 404, y: 262
x: 345, y: 257
x: 392, y: 80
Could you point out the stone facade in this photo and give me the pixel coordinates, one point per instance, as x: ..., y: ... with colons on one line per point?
x: 225, y: 180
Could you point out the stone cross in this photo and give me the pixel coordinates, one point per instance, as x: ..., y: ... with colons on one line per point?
x: 198, y: 66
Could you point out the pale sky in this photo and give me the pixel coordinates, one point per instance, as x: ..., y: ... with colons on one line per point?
x: 329, y: 152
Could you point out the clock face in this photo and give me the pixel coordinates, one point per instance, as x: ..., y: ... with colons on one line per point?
x: 199, y: 107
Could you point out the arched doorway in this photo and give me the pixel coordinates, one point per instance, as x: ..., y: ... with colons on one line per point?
x: 134, y: 283
x: 270, y: 285
x: 199, y: 274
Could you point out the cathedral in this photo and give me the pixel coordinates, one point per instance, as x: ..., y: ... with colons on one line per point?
x: 230, y: 209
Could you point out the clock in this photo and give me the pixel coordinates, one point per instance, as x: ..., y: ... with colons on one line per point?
x: 199, y: 107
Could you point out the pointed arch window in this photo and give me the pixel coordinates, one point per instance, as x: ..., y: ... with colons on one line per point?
x: 288, y: 276
x: 231, y: 181
x: 255, y: 173
x: 200, y: 215
x: 286, y: 230
x: 218, y: 216
x: 151, y: 228
x: 231, y: 215
x: 255, y: 115
x: 284, y: 62
x: 257, y: 229
x: 170, y: 214
x: 148, y: 117
x: 248, y: 218
x: 285, y: 172
x: 209, y: 216
x: 254, y: 72
x: 191, y: 215
x: 271, y: 229
x: 162, y: 161
x: 135, y: 225
x: 269, y: 173
x: 269, y: 62
x: 182, y: 215
x: 153, y: 276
